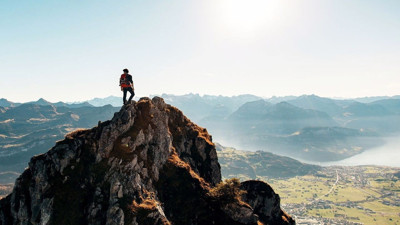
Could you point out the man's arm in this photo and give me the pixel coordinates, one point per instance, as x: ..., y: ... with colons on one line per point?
x: 130, y: 79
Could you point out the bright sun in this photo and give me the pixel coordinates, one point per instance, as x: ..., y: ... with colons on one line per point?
x: 250, y: 16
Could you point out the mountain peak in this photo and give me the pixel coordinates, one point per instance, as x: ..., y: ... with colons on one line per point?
x: 149, y: 164
x: 5, y: 103
x: 41, y: 101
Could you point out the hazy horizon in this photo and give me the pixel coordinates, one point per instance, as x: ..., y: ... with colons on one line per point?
x: 202, y: 95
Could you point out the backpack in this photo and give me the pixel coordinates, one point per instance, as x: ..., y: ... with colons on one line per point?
x: 124, y: 82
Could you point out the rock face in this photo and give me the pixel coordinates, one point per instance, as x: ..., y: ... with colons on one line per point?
x: 148, y: 165
x: 265, y: 202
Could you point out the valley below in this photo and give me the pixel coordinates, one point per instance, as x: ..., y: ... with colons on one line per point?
x: 342, y: 195
x: 322, y: 195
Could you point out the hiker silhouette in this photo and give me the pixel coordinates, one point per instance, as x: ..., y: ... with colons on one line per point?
x: 126, y: 83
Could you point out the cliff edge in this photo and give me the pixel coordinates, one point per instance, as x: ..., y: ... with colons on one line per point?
x: 149, y: 164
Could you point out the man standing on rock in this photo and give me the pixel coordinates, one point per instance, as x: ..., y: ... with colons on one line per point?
x: 126, y: 84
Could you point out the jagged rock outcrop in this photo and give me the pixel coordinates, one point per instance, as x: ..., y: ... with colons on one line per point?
x: 148, y: 165
x: 265, y: 202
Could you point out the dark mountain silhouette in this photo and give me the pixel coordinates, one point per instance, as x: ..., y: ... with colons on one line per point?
x: 40, y: 101
x: 43, y: 102
x: 73, y: 105
x: 5, y: 103
x: 148, y: 165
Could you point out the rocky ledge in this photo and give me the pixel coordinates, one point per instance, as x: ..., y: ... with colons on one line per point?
x: 149, y: 164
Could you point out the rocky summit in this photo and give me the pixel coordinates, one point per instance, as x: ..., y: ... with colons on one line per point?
x: 149, y: 164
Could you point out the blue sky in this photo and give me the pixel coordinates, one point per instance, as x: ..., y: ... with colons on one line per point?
x: 75, y: 50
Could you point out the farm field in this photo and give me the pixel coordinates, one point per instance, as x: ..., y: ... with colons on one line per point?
x: 346, y: 195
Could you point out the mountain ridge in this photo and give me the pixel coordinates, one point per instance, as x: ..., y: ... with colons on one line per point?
x: 148, y: 165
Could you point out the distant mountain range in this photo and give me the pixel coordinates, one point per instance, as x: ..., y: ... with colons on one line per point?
x: 305, y: 127
x: 5, y: 103
x: 32, y: 128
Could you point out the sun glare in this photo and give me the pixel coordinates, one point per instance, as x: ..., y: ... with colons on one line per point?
x: 250, y: 16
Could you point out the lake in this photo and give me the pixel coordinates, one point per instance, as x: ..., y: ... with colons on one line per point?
x: 386, y: 155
